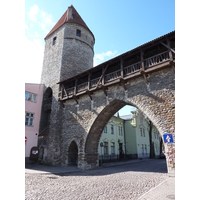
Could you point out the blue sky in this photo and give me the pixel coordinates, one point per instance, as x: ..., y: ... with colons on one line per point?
x: 118, y: 26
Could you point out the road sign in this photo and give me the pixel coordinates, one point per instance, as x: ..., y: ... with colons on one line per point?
x: 168, y: 138
x: 25, y: 139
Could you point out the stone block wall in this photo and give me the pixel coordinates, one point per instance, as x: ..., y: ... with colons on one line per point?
x: 77, y: 51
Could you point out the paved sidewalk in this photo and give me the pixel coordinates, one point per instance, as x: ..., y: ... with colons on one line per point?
x: 164, y: 191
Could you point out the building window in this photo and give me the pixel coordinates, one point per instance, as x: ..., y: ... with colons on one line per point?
x: 155, y: 135
x: 54, y: 40
x: 30, y: 97
x: 142, y: 146
x: 112, y: 129
x: 29, y: 119
x: 112, y: 148
x: 121, y: 131
x: 105, y: 129
x: 78, y: 33
x: 143, y: 132
x: 105, y: 148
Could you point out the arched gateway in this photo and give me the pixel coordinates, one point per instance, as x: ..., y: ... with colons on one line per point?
x: 85, y: 97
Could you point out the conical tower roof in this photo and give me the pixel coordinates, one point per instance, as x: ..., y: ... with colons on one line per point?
x: 70, y: 16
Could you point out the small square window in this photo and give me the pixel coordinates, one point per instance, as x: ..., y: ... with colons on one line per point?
x: 54, y: 40
x: 78, y: 33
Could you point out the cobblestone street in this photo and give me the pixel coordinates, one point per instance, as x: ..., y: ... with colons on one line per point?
x: 127, y: 181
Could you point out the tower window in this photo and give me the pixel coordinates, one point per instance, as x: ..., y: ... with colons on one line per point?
x: 78, y: 33
x: 54, y: 40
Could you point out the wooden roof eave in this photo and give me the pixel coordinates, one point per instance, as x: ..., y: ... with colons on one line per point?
x: 123, y: 56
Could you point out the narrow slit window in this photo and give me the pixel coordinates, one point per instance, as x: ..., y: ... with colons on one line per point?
x: 54, y: 40
x: 78, y: 33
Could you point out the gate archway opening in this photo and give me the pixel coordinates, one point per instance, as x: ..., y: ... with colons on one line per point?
x: 112, y: 149
x: 73, y: 154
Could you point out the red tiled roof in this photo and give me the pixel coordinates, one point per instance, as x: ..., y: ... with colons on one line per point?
x: 76, y: 19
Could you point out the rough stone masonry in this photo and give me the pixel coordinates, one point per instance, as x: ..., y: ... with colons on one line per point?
x: 83, y: 123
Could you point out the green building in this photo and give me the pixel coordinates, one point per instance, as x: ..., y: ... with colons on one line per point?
x: 112, y: 139
x: 130, y: 134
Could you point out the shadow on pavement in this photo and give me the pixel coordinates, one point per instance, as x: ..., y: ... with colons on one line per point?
x: 137, y: 165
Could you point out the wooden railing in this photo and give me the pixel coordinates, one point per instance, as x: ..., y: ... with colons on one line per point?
x: 132, y: 69
x: 82, y: 87
x: 93, y: 82
x: 112, y: 76
x: 109, y: 78
x: 157, y: 59
x: 70, y: 91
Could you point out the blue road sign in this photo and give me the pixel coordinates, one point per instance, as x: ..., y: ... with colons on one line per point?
x: 168, y: 138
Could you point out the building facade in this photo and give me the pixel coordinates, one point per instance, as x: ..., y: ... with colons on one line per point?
x: 129, y: 133
x: 33, y: 103
x: 112, y: 139
x: 137, y: 128
x: 71, y: 128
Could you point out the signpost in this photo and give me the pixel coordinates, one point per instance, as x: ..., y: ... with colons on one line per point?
x: 168, y: 138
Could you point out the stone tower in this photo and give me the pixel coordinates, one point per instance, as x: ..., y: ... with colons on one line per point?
x: 68, y: 52
x: 68, y: 48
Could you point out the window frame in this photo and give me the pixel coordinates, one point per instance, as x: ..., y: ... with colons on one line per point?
x: 29, y: 96
x: 119, y: 130
x: 143, y: 132
x: 54, y: 40
x: 112, y: 129
x: 78, y: 32
x: 105, y: 148
x: 105, y: 129
x: 29, y: 119
x: 112, y: 147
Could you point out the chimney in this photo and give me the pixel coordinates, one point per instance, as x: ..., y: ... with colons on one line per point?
x: 69, y: 13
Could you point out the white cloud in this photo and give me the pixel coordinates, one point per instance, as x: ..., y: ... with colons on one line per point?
x: 41, y: 18
x: 33, y: 12
x: 46, y: 18
x: 102, y: 57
